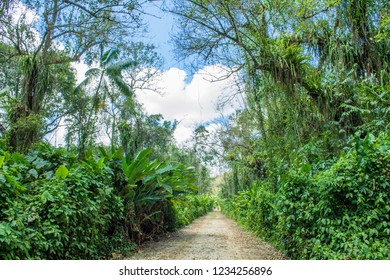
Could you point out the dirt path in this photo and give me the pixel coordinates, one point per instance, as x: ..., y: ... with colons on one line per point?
x: 212, y: 237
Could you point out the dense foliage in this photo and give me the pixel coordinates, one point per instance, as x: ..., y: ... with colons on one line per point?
x: 307, y: 156
x: 335, y: 211
x: 120, y: 178
x: 309, y: 153
x: 188, y: 208
x: 56, y: 207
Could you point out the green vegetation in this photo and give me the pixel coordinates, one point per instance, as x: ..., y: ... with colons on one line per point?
x: 335, y: 211
x: 88, y: 199
x: 308, y: 156
x: 56, y: 207
x: 190, y: 207
x: 309, y: 153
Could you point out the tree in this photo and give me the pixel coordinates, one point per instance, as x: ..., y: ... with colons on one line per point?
x: 140, y: 131
x: 101, y: 84
x: 108, y: 93
x: 19, y: 127
x: 307, y: 65
x: 139, y: 73
x: 62, y: 32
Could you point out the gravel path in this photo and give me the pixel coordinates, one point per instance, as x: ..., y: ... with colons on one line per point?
x: 212, y: 237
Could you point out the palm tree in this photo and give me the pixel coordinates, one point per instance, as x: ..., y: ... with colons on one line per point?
x: 106, y: 82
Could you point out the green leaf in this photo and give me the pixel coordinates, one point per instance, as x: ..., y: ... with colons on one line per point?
x: 138, y: 168
x: 46, y: 196
x: 166, y: 169
x: 94, y: 72
x: 103, y: 151
x: 305, y: 168
x: 33, y: 173
x: 2, y: 178
x: 100, y: 162
x: 168, y: 188
x: 109, y: 55
x: 49, y: 174
x: 1, y: 160
x: 62, y: 172
x: 40, y: 163
x: 153, y: 198
x: 149, y: 178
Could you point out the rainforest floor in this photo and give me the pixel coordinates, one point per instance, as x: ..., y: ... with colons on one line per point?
x: 211, y: 237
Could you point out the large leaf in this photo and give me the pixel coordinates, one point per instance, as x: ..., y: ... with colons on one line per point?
x: 168, y: 188
x: 33, y: 173
x: 152, y: 181
x: 123, y: 86
x: 109, y: 56
x: 62, y: 172
x: 138, y: 168
x: 46, y: 196
x: 166, y: 169
x: 92, y: 72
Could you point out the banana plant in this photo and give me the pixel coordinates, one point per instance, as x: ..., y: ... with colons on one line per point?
x: 151, y: 183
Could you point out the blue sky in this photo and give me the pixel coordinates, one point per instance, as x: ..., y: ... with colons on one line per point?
x: 160, y: 27
x: 190, y: 98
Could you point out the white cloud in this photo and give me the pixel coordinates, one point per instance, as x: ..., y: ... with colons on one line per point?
x: 190, y: 103
x: 182, y: 133
x: 21, y: 11
x: 81, y: 69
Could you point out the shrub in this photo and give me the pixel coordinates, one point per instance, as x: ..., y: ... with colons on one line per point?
x: 56, y: 207
x: 337, y: 211
x: 190, y: 207
x: 61, y: 214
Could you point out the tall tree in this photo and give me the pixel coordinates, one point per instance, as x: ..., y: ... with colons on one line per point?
x: 108, y: 91
x: 60, y: 32
x: 306, y: 64
x: 102, y: 83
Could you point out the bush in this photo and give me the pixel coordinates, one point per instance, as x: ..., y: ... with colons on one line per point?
x: 336, y: 212
x: 61, y: 213
x: 254, y: 209
x: 56, y: 207
x: 190, y: 207
x: 353, y: 213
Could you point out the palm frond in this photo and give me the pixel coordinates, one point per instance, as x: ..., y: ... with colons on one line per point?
x: 123, y: 87
x: 93, y: 72
x: 108, y: 56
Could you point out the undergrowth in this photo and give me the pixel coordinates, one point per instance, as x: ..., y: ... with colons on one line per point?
x: 56, y: 207
x: 336, y: 211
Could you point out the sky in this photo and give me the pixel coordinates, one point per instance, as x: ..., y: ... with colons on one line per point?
x: 160, y: 25
x: 192, y: 102
x: 189, y: 98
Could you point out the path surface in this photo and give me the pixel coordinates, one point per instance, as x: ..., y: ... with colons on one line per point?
x: 212, y: 237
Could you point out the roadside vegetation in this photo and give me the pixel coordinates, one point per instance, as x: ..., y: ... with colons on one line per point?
x: 55, y: 206
x: 307, y: 157
x: 119, y: 179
